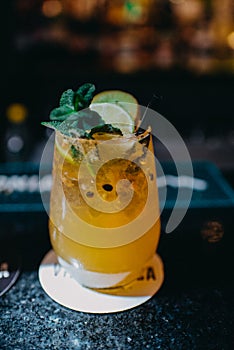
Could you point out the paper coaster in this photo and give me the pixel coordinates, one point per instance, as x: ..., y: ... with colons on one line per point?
x: 65, y: 290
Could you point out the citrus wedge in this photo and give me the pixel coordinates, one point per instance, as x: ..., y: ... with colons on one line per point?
x: 115, y: 115
x: 65, y: 151
x: 124, y: 99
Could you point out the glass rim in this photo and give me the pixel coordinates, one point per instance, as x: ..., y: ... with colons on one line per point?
x: 114, y: 138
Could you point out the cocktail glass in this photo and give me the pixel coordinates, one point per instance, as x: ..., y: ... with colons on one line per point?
x: 104, y: 211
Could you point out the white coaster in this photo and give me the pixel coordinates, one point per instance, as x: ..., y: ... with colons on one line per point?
x: 66, y: 291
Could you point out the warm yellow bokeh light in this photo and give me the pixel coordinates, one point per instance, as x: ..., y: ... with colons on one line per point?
x: 51, y: 8
x: 230, y: 40
x: 16, y: 112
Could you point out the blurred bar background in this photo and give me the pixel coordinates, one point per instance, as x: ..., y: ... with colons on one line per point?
x: 181, y: 49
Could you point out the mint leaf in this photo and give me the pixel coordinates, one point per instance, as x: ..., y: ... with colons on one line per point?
x: 52, y: 124
x: 77, y: 123
x: 76, y: 154
x: 61, y: 113
x: 88, y: 119
x: 70, y: 127
x: 65, y: 128
x: 83, y: 96
x: 67, y: 98
x: 73, y: 117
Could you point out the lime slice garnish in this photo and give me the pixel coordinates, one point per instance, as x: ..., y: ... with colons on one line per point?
x: 124, y: 99
x: 65, y: 151
x: 115, y: 115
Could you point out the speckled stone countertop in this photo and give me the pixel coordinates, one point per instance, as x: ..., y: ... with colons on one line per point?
x: 192, y: 318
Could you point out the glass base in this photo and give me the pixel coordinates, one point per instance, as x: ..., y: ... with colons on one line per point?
x: 66, y: 291
x: 98, y: 280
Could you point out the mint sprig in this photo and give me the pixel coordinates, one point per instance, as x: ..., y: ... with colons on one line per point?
x: 73, y: 101
x: 76, y: 124
x: 73, y: 117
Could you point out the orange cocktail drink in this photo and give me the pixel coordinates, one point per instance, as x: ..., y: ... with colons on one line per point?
x: 124, y: 182
x: 104, y: 210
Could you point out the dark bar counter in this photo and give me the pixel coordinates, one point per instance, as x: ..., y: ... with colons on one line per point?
x: 175, y: 318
